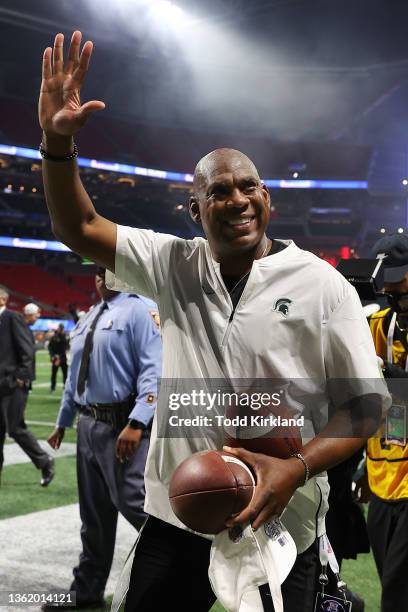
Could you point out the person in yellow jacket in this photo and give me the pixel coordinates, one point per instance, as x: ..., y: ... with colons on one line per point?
x: 387, y: 452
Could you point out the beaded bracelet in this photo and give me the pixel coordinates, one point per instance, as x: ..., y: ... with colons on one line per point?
x: 305, y: 465
x: 58, y: 158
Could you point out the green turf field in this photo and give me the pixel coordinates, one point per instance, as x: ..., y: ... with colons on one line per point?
x: 21, y: 494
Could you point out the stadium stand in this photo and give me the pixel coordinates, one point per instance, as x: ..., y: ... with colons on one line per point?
x: 317, y: 219
x: 35, y: 284
x: 312, y: 217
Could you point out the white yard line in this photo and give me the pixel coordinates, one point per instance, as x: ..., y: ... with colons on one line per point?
x: 14, y: 454
x: 48, y: 395
x: 46, y: 423
x: 44, y: 385
x: 39, y: 550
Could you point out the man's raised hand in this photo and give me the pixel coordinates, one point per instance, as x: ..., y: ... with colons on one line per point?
x: 60, y: 110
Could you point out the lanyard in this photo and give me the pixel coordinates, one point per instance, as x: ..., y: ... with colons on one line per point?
x: 327, y: 557
x: 390, y: 337
x: 390, y: 340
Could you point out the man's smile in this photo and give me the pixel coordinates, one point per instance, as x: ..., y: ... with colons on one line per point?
x: 240, y: 222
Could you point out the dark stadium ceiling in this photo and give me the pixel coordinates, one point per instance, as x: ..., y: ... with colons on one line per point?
x: 315, y: 70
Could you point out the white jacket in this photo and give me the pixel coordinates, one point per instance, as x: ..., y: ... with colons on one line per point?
x: 323, y: 335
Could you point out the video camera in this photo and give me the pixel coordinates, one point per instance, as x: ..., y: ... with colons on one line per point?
x: 390, y: 265
x: 366, y: 276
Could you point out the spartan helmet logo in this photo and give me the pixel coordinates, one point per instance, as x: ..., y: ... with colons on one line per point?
x: 282, y: 306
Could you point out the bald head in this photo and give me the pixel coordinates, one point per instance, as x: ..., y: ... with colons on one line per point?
x: 218, y: 162
x: 232, y: 206
x: 4, y: 296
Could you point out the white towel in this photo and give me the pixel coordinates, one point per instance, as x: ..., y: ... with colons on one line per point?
x: 241, y: 560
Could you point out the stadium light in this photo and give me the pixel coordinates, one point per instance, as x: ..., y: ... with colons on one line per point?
x: 400, y: 230
x: 404, y: 182
x: 382, y: 230
x: 167, y: 12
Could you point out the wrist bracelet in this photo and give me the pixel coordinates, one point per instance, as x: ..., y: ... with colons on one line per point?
x: 305, y: 465
x: 58, y: 158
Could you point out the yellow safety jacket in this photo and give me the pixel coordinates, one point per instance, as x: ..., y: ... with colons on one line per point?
x: 387, y: 465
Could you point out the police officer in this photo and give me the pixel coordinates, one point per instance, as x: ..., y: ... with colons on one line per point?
x: 387, y: 452
x: 112, y: 383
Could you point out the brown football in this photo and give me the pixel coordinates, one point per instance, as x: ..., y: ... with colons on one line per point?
x: 208, y: 488
x: 282, y: 441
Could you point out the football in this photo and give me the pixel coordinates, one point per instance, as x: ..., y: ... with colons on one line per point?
x: 281, y: 447
x: 281, y: 441
x: 208, y: 488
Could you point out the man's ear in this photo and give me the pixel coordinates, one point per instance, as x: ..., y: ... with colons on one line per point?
x: 266, y: 194
x: 267, y: 197
x: 194, y: 208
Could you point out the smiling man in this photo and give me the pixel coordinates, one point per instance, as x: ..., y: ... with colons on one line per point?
x: 234, y: 305
x: 233, y: 206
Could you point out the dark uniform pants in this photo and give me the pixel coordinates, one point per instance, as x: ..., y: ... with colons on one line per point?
x: 54, y: 370
x: 12, y: 422
x: 170, y: 572
x: 105, y: 486
x: 387, y: 524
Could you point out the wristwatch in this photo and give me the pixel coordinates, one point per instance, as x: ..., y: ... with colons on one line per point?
x: 134, y: 424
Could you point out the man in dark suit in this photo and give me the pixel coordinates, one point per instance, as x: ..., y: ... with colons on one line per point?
x: 16, y: 374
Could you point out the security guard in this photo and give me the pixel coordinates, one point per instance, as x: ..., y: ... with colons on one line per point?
x: 387, y: 453
x: 112, y: 383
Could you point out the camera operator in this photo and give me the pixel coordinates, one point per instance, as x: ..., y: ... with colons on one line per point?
x: 387, y: 452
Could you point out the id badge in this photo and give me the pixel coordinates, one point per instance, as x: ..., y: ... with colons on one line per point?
x: 396, y: 425
x: 330, y: 603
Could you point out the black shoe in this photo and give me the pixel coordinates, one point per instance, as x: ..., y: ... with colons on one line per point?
x: 47, y: 473
x: 82, y: 604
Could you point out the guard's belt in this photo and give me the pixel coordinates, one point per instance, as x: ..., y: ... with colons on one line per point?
x: 116, y: 414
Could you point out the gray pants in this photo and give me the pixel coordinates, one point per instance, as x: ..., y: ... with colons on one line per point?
x: 105, y: 487
x: 12, y: 422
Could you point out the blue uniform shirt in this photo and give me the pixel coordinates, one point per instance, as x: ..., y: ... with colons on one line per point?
x: 125, y: 359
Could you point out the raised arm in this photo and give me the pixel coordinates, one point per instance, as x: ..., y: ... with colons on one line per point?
x: 74, y: 218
